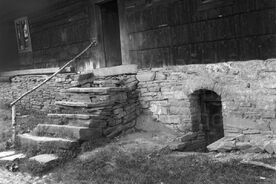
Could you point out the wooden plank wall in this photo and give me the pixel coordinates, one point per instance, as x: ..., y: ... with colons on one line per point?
x: 58, y: 33
x: 169, y: 32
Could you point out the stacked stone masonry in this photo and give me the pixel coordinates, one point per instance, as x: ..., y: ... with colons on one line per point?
x: 246, y: 94
x: 247, y: 91
x: 41, y: 100
x: 117, y: 102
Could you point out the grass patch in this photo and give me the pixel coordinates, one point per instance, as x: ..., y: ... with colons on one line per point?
x: 5, y: 127
x: 113, y: 165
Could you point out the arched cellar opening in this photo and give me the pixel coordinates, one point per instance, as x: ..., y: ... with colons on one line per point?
x: 207, y: 119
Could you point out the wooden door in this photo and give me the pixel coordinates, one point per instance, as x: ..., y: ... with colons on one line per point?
x: 111, y: 33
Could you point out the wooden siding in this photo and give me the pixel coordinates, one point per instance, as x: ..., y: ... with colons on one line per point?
x: 166, y: 32
x: 58, y: 33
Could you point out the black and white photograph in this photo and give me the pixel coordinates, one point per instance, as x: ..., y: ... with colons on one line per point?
x: 137, y: 91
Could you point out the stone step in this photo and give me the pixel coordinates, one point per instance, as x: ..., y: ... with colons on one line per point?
x: 67, y: 132
x: 82, y: 104
x: 115, y: 70
x: 106, y: 83
x: 80, y: 120
x: 11, y: 156
x: 73, y: 116
x: 96, y: 90
x: 92, y: 98
x: 11, y: 159
x: 45, y: 161
x: 37, y: 144
x: 97, y: 111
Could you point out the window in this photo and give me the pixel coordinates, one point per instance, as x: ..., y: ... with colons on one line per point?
x: 23, y: 35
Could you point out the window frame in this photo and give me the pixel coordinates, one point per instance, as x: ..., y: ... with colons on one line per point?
x: 29, y: 42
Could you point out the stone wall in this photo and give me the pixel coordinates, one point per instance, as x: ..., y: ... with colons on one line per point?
x: 41, y: 100
x: 247, y: 91
x: 118, y: 115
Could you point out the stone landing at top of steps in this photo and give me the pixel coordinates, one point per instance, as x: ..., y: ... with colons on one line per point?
x: 115, y: 70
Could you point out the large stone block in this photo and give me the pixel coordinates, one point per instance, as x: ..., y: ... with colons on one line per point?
x: 223, y: 145
x: 239, y: 123
x: 170, y: 119
x: 146, y: 76
x: 116, y: 70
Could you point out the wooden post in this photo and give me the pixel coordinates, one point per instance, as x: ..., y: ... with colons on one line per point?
x: 13, y: 124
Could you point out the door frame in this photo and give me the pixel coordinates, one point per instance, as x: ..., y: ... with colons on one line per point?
x: 99, y: 28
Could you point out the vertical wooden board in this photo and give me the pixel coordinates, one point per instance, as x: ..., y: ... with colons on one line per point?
x: 243, y: 25
x: 174, y: 35
x: 195, y: 54
x: 266, y: 46
x: 180, y: 35
x: 221, y: 50
x: 159, y: 15
x: 232, y: 50
x: 226, y: 11
x: 133, y: 55
x: 230, y: 27
x: 210, y: 30
x: 187, y: 12
x: 131, y: 41
x: 173, y: 14
x: 155, y: 57
x: 192, y: 32
x: 145, y: 59
x: 131, y: 26
x: 146, y: 18
x: 248, y: 48
x: 181, y: 55
x: 194, y: 4
x: 262, y: 4
x: 164, y: 37
x: 208, y: 53
x: 269, y: 17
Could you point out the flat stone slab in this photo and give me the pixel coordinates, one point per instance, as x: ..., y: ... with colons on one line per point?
x: 72, y: 116
x: 66, y: 131
x: 13, y: 157
x: 7, y: 153
x: 102, y: 90
x: 116, y: 70
x: 146, y: 76
x: 37, y: 142
x: 45, y: 158
x: 82, y: 104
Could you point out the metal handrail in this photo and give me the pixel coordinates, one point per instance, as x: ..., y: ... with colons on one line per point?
x: 93, y: 43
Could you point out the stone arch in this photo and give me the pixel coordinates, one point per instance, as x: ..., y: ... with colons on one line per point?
x: 206, y: 116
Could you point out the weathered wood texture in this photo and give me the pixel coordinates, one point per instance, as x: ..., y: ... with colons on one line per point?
x: 169, y: 32
x: 58, y: 33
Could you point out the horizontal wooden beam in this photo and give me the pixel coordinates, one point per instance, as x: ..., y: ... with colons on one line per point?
x: 40, y: 71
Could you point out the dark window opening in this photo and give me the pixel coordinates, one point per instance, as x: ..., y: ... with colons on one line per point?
x: 23, y: 35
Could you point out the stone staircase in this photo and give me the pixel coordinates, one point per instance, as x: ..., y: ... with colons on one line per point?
x: 98, y: 106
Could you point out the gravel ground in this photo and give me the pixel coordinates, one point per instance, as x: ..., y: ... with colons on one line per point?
x: 7, y: 177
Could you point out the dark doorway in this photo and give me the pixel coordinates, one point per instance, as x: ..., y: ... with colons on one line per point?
x: 111, y: 33
x: 207, y: 115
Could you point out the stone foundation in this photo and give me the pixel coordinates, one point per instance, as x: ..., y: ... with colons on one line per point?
x: 41, y: 100
x: 247, y: 91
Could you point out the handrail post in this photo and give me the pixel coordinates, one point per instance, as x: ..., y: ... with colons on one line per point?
x: 13, y: 124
